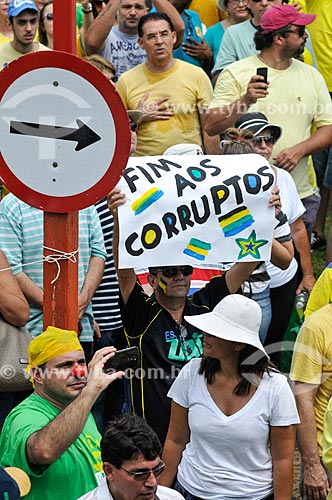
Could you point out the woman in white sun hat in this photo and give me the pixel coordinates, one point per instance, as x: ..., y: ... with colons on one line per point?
x: 232, y: 428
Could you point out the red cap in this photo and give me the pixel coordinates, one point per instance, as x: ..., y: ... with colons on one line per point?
x: 280, y: 16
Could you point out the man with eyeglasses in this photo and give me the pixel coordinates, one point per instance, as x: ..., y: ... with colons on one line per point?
x: 172, y: 94
x: 114, y: 33
x: 131, y: 452
x: 23, y: 17
x: 157, y: 326
x: 295, y: 97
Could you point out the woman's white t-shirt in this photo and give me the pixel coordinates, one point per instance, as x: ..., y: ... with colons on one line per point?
x: 229, y: 457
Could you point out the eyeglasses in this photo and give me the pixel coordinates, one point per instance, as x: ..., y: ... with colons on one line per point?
x: 49, y: 16
x: 268, y: 139
x: 300, y: 30
x: 237, y: 2
x: 133, y: 125
x: 99, y: 3
x: 114, y: 78
x: 144, y: 475
x: 171, y: 272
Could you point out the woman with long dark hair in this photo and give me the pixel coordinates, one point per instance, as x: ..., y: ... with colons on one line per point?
x: 232, y: 428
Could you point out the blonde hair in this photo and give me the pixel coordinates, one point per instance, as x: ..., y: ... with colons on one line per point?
x: 237, y: 142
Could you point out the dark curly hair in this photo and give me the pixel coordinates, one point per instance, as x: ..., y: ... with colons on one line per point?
x: 264, y: 39
x: 126, y: 437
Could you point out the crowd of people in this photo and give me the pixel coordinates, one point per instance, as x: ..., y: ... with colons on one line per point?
x: 197, y: 77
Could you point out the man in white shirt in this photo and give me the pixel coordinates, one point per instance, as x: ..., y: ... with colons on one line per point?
x: 131, y: 451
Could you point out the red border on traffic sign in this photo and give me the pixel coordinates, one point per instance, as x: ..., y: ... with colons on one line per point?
x: 64, y: 60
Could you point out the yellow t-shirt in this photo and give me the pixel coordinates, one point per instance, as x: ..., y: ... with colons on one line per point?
x: 312, y: 361
x: 297, y: 100
x: 327, y: 441
x: 187, y: 87
x: 321, y: 293
x: 208, y: 11
x: 8, y: 54
x: 321, y: 36
x: 5, y: 39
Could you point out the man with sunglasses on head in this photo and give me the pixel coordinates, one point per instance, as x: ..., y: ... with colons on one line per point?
x: 23, y: 17
x: 295, y: 96
x: 157, y: 326
x: 131, y: 452
x: 119, y: 42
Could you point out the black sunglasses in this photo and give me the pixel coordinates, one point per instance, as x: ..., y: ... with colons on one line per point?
x: 49, y: 16
x: 144, y: 475
x: 114, y: 78
x: 300, y: 30
x: 133, y: 125
x: 171, y: 272
x: 268, y: 139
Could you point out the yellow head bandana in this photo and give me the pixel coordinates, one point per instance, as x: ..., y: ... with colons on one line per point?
x: 50, y: 344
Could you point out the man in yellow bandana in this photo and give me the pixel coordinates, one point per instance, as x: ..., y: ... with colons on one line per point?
x: 51, y: 435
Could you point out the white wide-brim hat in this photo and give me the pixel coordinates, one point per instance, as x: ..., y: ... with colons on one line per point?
x: 235, y: 318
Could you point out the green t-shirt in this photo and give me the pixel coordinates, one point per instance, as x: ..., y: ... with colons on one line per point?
x: 79, y: 16
x: 77, y: 471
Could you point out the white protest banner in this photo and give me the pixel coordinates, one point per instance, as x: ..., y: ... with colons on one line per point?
x: 195, y: 209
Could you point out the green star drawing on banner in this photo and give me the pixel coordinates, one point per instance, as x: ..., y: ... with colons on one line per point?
x: 250, y: 246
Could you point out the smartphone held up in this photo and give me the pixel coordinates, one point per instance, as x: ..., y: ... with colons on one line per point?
x: 123, y: 360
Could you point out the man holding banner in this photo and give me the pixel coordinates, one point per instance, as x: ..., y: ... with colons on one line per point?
x: 156, y: 324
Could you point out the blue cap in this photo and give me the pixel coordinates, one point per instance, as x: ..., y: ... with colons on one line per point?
x: 17, y: 6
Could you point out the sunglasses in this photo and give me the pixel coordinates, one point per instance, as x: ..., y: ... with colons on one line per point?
x: 133, y: 125
x: 171, y: 272
x: 268, y: 139
x: 144, y: 475
x: 114, y: 78
x: 49, y: 16
x: 300, y: 30
x: 99, y: 3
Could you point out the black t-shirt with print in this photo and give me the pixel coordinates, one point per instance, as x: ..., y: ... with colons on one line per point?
x: 164, y: 346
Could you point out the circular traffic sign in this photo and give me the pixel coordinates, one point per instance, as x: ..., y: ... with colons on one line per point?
x: 64, y: 132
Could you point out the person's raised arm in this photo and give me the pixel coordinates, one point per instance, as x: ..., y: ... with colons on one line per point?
x: 211, y: 144
x: 167, y: 7
x: 13, y: 305
x: 219, y: 118
x: 176, y: 440
x: 126, y: 277
x: 96, y: 34
x: 240, y: 271
x: 48, y: 444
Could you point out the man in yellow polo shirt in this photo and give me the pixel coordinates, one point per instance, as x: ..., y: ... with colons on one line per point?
x: 295, y: 97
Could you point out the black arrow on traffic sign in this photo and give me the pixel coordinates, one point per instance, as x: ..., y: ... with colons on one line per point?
x: 83, y: 135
